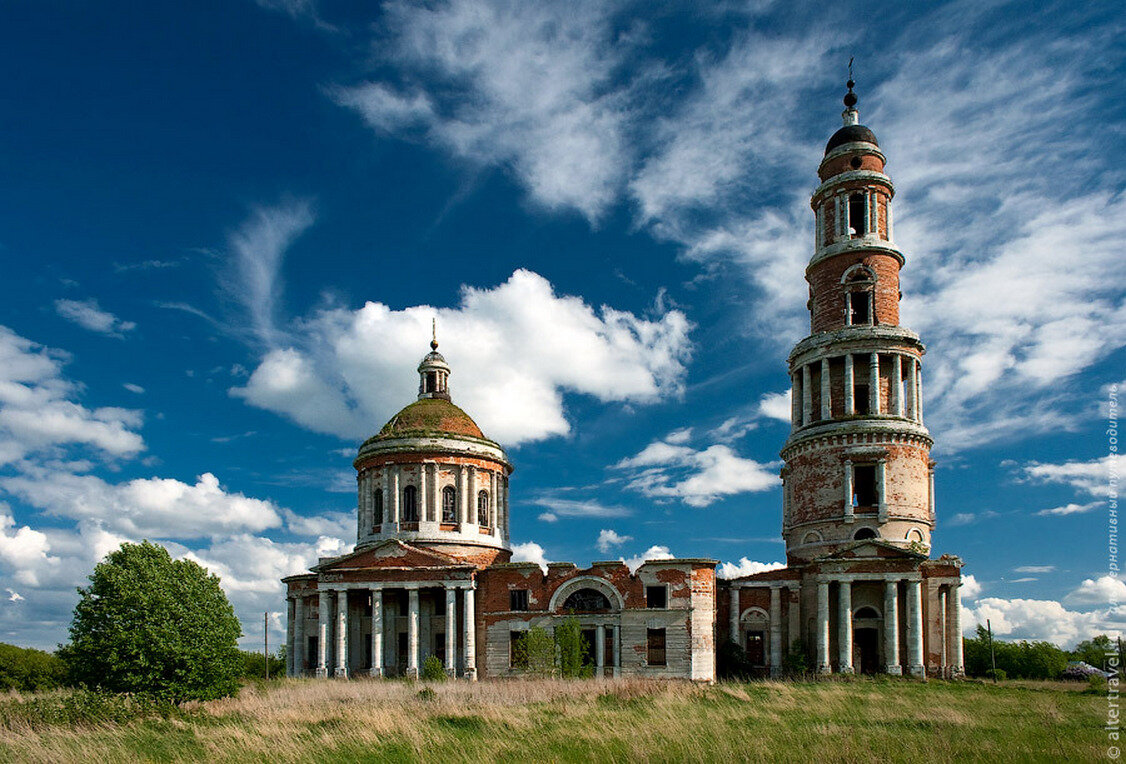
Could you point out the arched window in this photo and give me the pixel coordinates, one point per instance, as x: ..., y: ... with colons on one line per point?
x: 410, y: 504
x: 915, y: 535
x: 864, y: 533
x: 377, y: 507
x: 587, y: 601
x: 449, y: 505
x: 857, y: 215
x: 812, y: 537
x: 859, y: 282
x: 483, y: 508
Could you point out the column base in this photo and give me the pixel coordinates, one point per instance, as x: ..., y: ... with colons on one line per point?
x: 321, y: 672
x: 617, y: 673
x: 895, y: 670
x: 376, y: 672
x: 411, y: 673
x: 845, y: 670
x: 471, y: 674
x: 775, y: 672
x: 917, y: 671
x: 340, y: 673
x: 451, y: 672
x: 825, y: 668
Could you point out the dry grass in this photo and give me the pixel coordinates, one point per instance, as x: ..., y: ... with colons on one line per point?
x: 630, y: 720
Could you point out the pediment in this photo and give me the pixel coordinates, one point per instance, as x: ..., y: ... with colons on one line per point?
x: 390, y: 554
x: 874, y: 549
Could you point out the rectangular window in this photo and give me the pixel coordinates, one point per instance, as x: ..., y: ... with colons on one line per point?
x: 656, y: 645
x: 864, y: 492
x: 517, y: 654
x: 859, y: 304
x: 656, y: 597
x: 857, y: 215
x: 860, y: 398
x: 518, y: 599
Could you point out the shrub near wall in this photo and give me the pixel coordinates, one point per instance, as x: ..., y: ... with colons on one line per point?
x: 25, y: 669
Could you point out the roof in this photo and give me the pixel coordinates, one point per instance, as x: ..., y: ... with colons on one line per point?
x: 430, y: 416
x: 851, y: 134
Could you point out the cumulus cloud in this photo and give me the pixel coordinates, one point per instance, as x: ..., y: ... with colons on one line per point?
x: 1098, y: 591
x: 608, y: 539
x: 970, y: 589
x: 22, y: 550
x: 530, y: 551
x: 1042, y: 620
x: 153, y: 507
x: 88, y: 315
x: 776, y: 405
x: 503, y: 369
x: 697, y: 477
x: 38, y: 413
x: 746, y: 567
x: 655, y: 552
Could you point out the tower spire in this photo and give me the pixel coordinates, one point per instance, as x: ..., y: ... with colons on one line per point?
x: 434, y: 334
x: 850, y: 115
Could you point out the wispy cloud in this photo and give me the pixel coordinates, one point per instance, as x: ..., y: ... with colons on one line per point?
x: 580, y: 508
x: 88, y: 315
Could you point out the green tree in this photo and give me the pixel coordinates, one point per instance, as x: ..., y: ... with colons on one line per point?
x: 151, y: 624
x: 1099, y: 650
x: 574, y: 653
x: 24, y: 668
x: 535, y: 652
x: 432, y: 669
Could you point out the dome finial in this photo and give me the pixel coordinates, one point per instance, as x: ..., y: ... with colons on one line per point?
x: 850, y: 115
x: 434, y: 334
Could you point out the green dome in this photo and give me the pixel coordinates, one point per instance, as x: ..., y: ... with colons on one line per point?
x: 430, y: 416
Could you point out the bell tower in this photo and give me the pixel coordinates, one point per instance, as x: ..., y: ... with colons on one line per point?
x: 857, y: 462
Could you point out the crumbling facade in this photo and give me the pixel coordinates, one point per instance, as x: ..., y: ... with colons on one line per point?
x: 431, y: 574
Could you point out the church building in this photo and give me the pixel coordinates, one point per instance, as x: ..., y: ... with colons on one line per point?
x: 431, y: 573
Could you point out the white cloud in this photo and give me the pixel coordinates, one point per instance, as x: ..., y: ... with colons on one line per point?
x: 133, y: 388
x: 655, y: 552
x: 970, y: 589
x: 23, y: 550
x: 746, y: 567
x: 1071, y: 509
x: 524, y: 86
x: 37, y: 413
x: 608, y: 539
x: 530, y: 551
x: 1035, y: 569
x: 88, y: 315
x: 548, y: 517
x: 257, y: 249
x: 152, y: 508
x: 505, y: 372
x: 698, y: 478
x: 1042, y: 620
x: 1100, y: 591
x: 578, y: 508
x: 1090, y: 477
x: 776, y: 405
x: 683, y: 435
x: 13, y: 595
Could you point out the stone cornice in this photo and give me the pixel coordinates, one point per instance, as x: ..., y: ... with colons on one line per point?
x: 861, y: 430
x: 871, y: 338
x: 852, y: 176
x: 459, y: 445
x: 851, y: 246
x: 855, y: 147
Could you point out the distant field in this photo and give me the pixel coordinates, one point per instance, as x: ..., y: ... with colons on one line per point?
x: 861, y: 720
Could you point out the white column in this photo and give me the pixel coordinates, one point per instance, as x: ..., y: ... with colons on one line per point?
x: 888, y: 213
x: 915, y: 664
x: 386, y: 488
x: 930, y: 490
x: 837, y: 217
x: 817, y: 228
x: 451, y: 630
x: 891, y: 628
x: 794, y: 607
x: 897, y: 384
x: 600, y: 651
x: 919, y: 391
x: 290, y: 663
x: 826, y: 390
x: 472, y: 498
x: 911, y: 391
x: 616, y: 644
x: 412, y: 633
x: 493, y: 501
x: 423, y: 493
x: 396, y: 495
x: 775, y: 631
x: 376, y: 631
x: 470, y: 636
x: 734, y: 617
x: 795, y: 400
x: 849, y: 386
x: 462, y: 493
x: 873, y: 212
x: 341, y: 633
x: 844, y: 627
x: 848, y: 513
x: 299, y: 641
x: 874, y: 383
x: 806, y: 395
x: 954, y: 631
x: 435, y: 512
x: 823, y: 666
x: 881, y: 489
x: 323, y: 615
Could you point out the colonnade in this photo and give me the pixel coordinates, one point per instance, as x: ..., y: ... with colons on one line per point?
x: 385, y: 514
x: 843, y: 227
x: 334, y: 621
x: 905, y: 397
x: 774, y: 660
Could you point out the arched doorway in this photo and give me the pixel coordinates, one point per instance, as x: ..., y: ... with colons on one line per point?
x: 866, y: 640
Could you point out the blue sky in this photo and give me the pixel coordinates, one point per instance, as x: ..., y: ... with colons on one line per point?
x: 224, y: 233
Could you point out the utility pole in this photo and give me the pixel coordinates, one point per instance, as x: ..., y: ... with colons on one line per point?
x: 266, y: 641
x: 992, y: 657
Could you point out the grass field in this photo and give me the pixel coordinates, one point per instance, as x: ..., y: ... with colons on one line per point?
x: 861, y: 720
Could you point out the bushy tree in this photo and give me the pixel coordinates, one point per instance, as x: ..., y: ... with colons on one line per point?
x: 1019, y: 660
x: 151, y: 624
x: 23, y: 668
x: 1099, y: 650
x: 433, y: 670
x: 534, y: 652
x: 254, y: 667
x: 574, y: 653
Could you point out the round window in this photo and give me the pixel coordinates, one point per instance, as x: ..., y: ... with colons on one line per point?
x: 855, y: 163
